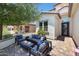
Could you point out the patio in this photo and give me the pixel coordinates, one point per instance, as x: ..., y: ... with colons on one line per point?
x: 63, y: 46
x: 13, y: 50
x: 53, y: 22
x: 60, y: 48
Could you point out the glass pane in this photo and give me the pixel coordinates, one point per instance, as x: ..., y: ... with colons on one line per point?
x: 46, y: 25
x: 40, y: 25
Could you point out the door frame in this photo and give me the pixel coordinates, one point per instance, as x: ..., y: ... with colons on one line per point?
x: 63, y: 27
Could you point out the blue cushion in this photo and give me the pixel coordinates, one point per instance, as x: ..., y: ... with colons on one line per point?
x: 40, y: 42
x: 19, y: 38
x: 35, y: 48
x: 26, y: 44
x: 36, y: 36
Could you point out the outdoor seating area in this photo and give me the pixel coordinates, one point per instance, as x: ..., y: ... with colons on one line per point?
x: 30, y: 30
x: 35, y: 44
x: 59, y: 48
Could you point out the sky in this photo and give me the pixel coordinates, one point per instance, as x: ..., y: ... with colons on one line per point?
x: 45, y: 6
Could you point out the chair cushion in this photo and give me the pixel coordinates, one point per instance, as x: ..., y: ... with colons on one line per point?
x: 36, y: 36
x: 35, y: 48
x: 19, y: 38
x: 43, y: 38
x: 26, y: 44
x: 39, y: 42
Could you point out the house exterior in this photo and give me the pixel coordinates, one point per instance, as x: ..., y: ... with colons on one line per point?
x: 54, y: 19
x: 70, y: 13
x: 49, y: 21
x: 63, y: 20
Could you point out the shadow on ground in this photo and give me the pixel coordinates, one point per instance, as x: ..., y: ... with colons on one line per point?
x: 61, y: 38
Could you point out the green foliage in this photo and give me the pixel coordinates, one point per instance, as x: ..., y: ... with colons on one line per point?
x: 7, y: 36
x: 5, y: 30
x: 0, y: 33
x: 18, y: 13
x: 41, y: 32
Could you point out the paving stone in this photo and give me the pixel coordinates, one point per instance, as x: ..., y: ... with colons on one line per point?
x: 63, y: 48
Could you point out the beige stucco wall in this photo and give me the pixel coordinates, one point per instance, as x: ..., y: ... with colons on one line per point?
x: 64, y: 11
x: 75, y: 25
x: 70, y: 27
x: 59, y: 6
x: 57, y: 26
x: 75, y: 7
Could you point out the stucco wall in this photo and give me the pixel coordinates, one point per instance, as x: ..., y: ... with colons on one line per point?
x: 75, y: 27
x: 70, y: 27
x: 57, y: 27
x: 61, y: 5
x: 51, y: 26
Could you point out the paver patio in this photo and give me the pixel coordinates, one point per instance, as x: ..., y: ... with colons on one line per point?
x: 63, y: 47
x: 13, y: 50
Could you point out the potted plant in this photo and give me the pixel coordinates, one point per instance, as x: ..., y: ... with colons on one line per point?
x: 41, y: 32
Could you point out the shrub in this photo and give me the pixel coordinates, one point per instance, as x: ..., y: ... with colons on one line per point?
x: 7, y: 36
x: 41, y: 32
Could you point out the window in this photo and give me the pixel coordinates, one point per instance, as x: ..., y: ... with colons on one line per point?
x: 46, y: 25
x: 40, y: 25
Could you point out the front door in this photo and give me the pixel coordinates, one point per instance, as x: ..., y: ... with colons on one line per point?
x: 65, y: 29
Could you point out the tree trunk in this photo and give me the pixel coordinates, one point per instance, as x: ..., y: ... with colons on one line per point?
x: 1, y: 29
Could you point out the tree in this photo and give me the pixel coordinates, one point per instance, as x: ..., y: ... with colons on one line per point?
x: 17, y: 14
